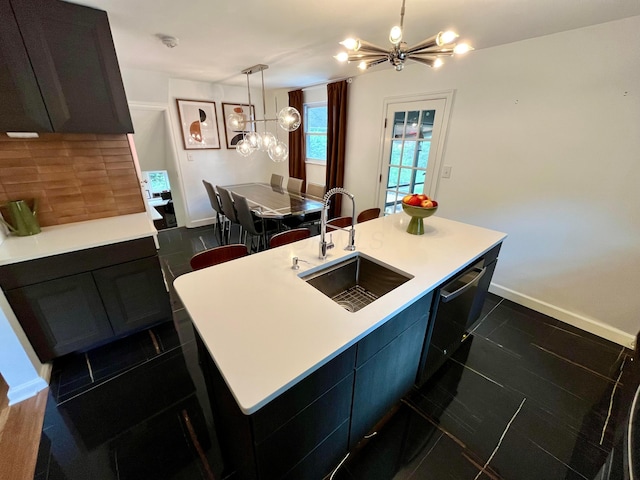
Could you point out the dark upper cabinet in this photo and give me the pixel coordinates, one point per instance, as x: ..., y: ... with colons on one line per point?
x: 22, y: 105
x: 73, y: 62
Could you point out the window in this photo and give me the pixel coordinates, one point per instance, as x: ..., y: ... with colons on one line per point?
x: 315, y: 131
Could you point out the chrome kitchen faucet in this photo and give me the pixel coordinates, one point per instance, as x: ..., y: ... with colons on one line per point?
x: 324, y: 245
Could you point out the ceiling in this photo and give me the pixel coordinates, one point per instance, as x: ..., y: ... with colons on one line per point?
x: 297, y: 38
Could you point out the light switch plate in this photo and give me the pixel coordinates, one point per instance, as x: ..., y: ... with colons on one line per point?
x: 446, y: 171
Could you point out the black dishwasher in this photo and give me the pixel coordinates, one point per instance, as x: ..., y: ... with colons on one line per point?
x: 456, y: 308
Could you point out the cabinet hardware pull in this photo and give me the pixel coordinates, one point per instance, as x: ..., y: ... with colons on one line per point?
x: 448, y: 296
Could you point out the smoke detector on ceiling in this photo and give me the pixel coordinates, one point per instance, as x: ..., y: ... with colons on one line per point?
x: 168, y: 40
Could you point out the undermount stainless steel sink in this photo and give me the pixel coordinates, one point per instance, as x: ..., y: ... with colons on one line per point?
x: 356, y: 281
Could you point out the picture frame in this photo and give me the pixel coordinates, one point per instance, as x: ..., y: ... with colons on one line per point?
x: 199, y: 124
x: 232, y: 137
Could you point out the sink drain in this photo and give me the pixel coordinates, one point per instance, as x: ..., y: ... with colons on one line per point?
x: 354, y: 298
x: 348, y: 306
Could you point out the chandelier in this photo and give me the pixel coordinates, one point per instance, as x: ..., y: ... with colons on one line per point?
x: 288, y: 119
x: 428, y: 52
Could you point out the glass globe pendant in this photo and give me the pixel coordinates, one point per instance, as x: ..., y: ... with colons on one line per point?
x: 278, y: 152
x: 236, y: 122
x: 289, y: 119
x: 268, y: 139
x: 254, y: 139
x: 244, y: 148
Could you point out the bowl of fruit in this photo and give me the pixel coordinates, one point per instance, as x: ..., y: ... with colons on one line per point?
x: 418, y: 206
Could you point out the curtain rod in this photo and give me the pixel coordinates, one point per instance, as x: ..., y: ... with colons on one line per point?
x: 348, y: 79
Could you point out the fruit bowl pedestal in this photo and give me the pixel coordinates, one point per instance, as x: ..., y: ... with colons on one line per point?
x: 416, y: 226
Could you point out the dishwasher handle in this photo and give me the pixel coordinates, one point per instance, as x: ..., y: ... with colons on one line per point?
x: 448, y: 296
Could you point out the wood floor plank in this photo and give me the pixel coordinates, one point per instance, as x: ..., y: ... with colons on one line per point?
x: 20, y: 429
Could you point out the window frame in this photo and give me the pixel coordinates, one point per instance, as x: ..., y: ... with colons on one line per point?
x: 306, y: 106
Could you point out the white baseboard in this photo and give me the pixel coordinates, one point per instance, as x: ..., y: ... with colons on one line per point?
x: 583, y: 323
x: 18, y: 393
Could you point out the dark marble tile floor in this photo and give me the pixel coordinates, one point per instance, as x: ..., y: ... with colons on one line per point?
x: 525, y: 397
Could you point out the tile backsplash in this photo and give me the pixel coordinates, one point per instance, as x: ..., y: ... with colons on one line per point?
x: 75, y: 177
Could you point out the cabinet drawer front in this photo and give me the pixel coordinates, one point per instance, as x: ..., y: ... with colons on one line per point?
x: 56, y: 266
x: 303, y: 433
x: 376, y: 340
x: 61, y: 316
x: 134, y: 294
x: 287, y: 405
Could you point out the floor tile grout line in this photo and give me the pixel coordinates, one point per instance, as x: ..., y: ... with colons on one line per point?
x: 613, y: 393
x: 501, y: 439
x: 583, y: 367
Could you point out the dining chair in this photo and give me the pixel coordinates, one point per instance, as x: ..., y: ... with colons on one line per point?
x: 315, y: 190
x: 294, y: 185
x: 289, y: 236
x: 368, y: 214
x: 276, y: 180
x: 221, y: 219
x: 251, y: 225
x: 217, y: 255
x: 340, y: 222
x: 228, y: 209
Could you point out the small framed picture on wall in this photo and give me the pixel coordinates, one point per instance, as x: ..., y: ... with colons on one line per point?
x: 233, y: 136
x: 199, y: 124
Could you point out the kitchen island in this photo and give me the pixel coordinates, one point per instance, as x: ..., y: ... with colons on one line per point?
x: 272, y: 337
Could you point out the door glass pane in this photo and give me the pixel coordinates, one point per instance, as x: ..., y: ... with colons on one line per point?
x: 428, y: 117
x: 393, y: 177
x: 405, y: 177
x: 408, y: 153
x: 398, y: 124
x: 423, y: 155
x: 396, y: 152
x: 413, y: 119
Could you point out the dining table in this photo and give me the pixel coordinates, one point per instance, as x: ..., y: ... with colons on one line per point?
x: 272, y: 202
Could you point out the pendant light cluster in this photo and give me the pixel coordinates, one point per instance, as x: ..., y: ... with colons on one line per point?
x: 428, y: 52
x: 288, y: 119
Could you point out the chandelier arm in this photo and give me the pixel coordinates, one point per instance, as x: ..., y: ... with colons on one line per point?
x: 433, y: 51
x: 426, y: 43
x: 367, y: 47
x: 370, y: 56
x: 373, y: 63
x: 402, y: 15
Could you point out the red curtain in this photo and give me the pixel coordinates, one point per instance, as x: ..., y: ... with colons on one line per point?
x: 336, y: 141
x: 297, y: 153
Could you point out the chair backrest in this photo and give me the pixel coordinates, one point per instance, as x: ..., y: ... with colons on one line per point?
x: 217, y: 255
x: 315, y: 190
x: 213, y: 197
x: 368, y: 214
x: 341, y: 222
x: 226, y: 202
x: 289, y: 236
x: 244, y: 215
x: 276, y: 180
x: 294, y: 185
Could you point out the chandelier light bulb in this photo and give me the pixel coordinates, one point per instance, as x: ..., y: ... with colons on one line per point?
x: 362, y: 65
x: 244, y: 148
x: 462, y: 48
x: 254, y: 140
x: 437, y: 63
x: 268, y: 139
x: 236, y: 122
x: 289, y: 119
x: 395, y: 35
x: 351, y: 44
x: 342, y: 57
x: 445, y: 38
x: 278, y: 152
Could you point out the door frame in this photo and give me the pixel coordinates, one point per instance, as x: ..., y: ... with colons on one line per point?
x: 448, y: 97
x: 177, y: 187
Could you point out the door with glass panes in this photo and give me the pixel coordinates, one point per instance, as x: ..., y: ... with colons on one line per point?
x: 411, y: 156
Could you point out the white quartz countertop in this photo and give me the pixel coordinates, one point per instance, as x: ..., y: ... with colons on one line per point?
x: 267, y: 329
x: 70, y: 237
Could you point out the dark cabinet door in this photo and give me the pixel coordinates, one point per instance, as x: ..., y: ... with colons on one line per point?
x: 74, y: 61
x: 61, y: 316
x: 22, y: 106
x: 134, y: 294
x: 384, y: 378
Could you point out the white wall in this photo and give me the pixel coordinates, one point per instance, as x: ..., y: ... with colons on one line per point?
x: 543, y: 141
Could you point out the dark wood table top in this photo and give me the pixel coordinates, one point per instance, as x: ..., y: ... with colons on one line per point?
x: 274, y: 202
